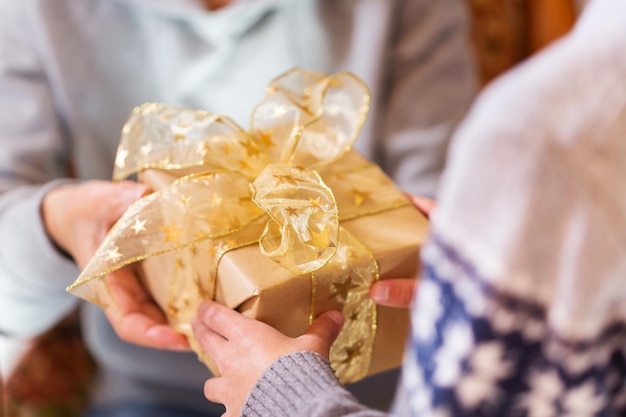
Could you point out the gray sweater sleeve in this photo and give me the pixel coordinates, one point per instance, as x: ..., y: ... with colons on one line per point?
x: 302, y: 384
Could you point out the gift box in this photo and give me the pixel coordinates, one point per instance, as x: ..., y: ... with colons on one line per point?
x: 281, y: 222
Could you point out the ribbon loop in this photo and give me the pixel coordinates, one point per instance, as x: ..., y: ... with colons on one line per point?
x: 168, y: 138
x: 310, y: 117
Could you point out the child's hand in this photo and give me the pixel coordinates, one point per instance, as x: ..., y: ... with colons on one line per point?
x: 243, y: 348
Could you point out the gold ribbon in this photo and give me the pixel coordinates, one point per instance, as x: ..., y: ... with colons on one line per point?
x: 234, y: 186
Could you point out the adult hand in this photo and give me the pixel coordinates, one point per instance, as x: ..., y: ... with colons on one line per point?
x: 399, y: 292
x: 423, y: 204
x: 77, y: 217
x: 243, y: 348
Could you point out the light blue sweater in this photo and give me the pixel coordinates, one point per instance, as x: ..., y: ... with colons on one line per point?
x: 71, y: 71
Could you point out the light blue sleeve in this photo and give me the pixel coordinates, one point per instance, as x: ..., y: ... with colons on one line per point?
x: 33, y: 274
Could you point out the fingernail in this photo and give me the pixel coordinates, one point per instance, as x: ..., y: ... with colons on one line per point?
x: 179, y: 347
x: 337, y: 317
x: 379, y: 293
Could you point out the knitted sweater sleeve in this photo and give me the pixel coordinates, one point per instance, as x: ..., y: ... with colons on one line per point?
x: 302, y: 384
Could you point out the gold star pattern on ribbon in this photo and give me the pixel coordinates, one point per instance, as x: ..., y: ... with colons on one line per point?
x: 216, y: 200
x: 139, y: 226
x: 202, y: 148
x: 234, y: 223
x: 120, y: 158
x: 251, y: 148
x: 113, y: 254
x: 184, y: 200
x: 212, y: 250
x: 172, y: 232
x: 244, y: 165
x: 265, y: 138
x: 231, y: 243
x: 321, y: 239
x: 315, y: 202
x: 354, y: 316
x: 227, y: 148
x: 146, y: 149
x: 352, y: 353
x: 279, y: 112
x: 172, y: 310
x: 285, y: 179
x: 342, y: 289
x: 246, y: 199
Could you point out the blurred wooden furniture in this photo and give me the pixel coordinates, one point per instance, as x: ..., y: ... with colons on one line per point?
x: 505, y: 32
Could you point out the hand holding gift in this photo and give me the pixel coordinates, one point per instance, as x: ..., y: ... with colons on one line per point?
x: 229, y: 337
x: 281, y: 222
x: 77, y: 217
x: 399, y: 292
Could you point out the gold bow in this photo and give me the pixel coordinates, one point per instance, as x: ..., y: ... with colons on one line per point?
x: 234, y: 183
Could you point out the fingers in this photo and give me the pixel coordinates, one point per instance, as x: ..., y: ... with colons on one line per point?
x: 221, y: 320
x: 423, y: 204
x: 140, y: 329
x: 115, y: 198
x: 326, y: 328
x: 127, y: 290
x: 78, y: 216
x: 213, y: 388
x: 217, y: 390
x: 136, y: 318
x: 393, y: 292
x: 211, y: 342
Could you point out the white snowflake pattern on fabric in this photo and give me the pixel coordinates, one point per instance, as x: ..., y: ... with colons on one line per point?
x: 429, y: 312
x: 575, y: 364
x: 509, y: 362
x: 533, y: 330
x: 412, y: 390
x: 505, y: 320
x: 545, y: 388
x: 488, y: 366
x: 472, y: 295
x: 583, y: 401
x: 458, y: 342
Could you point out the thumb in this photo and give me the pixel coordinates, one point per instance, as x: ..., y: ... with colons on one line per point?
x: 125, y: 193
x: 325, y: 329
x: 133, y: 191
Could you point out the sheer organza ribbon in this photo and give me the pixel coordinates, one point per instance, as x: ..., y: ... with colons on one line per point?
x: 231, y: 180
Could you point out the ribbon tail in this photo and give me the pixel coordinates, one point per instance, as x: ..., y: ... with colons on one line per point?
x: 354, y: 269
